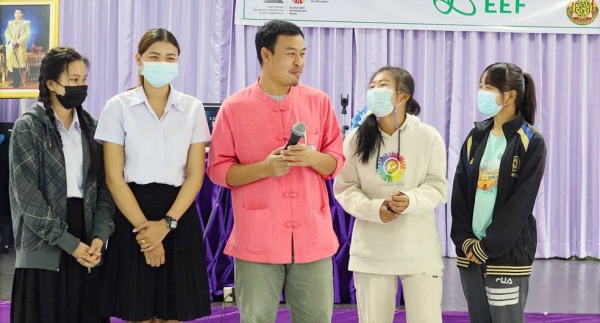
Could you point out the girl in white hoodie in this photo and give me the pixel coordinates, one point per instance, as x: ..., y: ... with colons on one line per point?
x: 393, y: 178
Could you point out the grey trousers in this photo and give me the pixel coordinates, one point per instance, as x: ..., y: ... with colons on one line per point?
x: 494, y: 299
x: 308, y: 291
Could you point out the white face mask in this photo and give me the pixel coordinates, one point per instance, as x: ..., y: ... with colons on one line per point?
x: 379, y: 101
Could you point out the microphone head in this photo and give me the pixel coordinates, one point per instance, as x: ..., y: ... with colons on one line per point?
x: 299, y: 129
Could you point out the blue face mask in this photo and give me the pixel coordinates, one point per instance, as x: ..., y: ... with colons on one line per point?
x: 159, y: 74
x: 379, y: 101
x: 486, y: 103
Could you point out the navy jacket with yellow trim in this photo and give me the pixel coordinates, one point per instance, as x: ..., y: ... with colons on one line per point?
x: 511, y: 238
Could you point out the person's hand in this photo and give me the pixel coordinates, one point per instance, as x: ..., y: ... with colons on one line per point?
x: 14, y: 43
x: 398, y: 202
x: 472, y: 258
x: 298, y: 155
x: 385, y: 214
x: 155, y: 257
x: 151, y: 233
x: 275, y: 164
x: 95, y: 250
x: 82, y: 256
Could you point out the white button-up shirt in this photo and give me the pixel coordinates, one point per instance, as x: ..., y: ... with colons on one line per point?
x: 155, y: 149
x: 73, y: 151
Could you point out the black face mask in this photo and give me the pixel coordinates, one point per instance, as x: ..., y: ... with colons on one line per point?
x: 74, y: 96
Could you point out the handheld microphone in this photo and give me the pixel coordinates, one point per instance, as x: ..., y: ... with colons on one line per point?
x: 298, y: 131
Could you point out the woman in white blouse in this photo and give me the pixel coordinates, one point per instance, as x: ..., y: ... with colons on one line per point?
x: 154, y: 139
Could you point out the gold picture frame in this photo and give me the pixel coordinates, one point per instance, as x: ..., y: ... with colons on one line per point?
x: 28, y: 29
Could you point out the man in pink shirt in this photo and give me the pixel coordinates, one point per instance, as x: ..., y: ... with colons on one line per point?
x: 282, y: 235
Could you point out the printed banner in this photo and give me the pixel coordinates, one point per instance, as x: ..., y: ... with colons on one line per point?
x: 536, y: 16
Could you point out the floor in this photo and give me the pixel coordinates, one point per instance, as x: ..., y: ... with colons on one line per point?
x: 557, y: 287
x: 7, y: 266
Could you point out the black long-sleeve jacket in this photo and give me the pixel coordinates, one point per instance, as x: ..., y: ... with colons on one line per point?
x: 511, y: 239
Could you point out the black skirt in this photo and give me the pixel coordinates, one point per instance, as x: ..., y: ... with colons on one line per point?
x: 66, y: 295
x: 177, y: 290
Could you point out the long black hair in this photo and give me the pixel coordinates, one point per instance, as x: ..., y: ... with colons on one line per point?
x: 508, y: 77
x: 368, y: 134
x: 54, y: 63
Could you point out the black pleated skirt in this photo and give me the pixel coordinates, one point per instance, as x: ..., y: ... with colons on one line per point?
x: 177, y: 290
x: 67, y: 295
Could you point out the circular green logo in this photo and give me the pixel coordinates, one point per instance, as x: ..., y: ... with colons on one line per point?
x: 447, y: 6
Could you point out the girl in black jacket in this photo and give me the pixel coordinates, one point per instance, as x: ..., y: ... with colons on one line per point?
x: 495, y: 186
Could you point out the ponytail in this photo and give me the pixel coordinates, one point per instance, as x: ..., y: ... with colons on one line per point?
x: 529, y: 104
x: 413, y: 107
x: 368, y: 138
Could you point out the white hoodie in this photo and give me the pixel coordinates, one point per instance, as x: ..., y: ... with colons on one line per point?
x: 409, y: 244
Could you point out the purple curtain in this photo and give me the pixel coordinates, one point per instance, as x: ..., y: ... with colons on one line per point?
x: 218, y: 58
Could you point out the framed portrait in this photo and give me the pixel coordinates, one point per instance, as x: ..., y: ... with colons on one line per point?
x: 28, y: 29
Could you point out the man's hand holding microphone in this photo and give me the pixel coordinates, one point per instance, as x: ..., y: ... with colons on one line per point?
x: 279, y: 162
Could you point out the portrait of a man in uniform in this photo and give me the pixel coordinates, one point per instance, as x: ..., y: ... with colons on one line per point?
x: 28, y: 30
x: 16, y: 36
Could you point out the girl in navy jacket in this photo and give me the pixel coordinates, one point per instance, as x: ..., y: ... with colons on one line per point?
x: 495, y: 186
